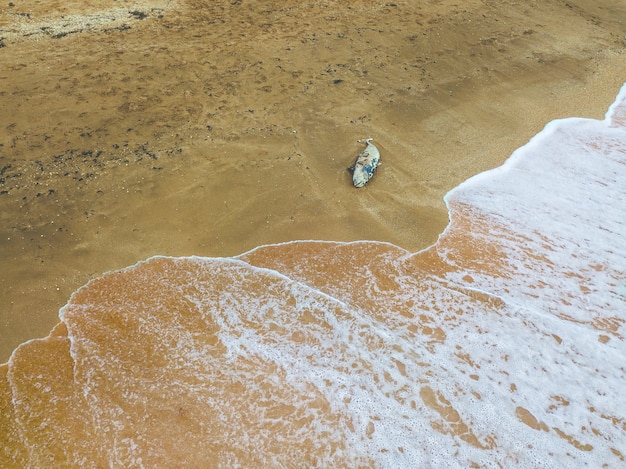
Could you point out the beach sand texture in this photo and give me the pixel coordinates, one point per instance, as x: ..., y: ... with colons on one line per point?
x: 502, y: 345
x: 130, y: 129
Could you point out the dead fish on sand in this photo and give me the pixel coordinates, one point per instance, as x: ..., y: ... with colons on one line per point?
x: 365, y: 164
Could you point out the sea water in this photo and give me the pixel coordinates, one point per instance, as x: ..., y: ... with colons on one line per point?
x: 500, y: 346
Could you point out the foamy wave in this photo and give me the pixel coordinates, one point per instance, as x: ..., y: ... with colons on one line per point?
x: 500, y: 346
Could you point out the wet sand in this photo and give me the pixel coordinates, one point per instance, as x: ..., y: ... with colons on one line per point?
x: 208, y: 128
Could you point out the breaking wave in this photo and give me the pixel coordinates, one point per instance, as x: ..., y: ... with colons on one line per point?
x: 501, y: 345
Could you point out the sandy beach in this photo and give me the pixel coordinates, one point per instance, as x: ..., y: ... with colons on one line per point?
x: 131, y: 129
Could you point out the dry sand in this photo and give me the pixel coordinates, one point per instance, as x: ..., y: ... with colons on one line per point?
x: 135, y: 128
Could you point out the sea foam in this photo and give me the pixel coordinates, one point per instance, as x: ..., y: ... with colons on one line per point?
x: 500, y: 346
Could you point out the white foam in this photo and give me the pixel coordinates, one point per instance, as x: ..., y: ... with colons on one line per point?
x: 515, y: 361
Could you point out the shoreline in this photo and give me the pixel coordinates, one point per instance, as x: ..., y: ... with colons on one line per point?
x: 119, y: 146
